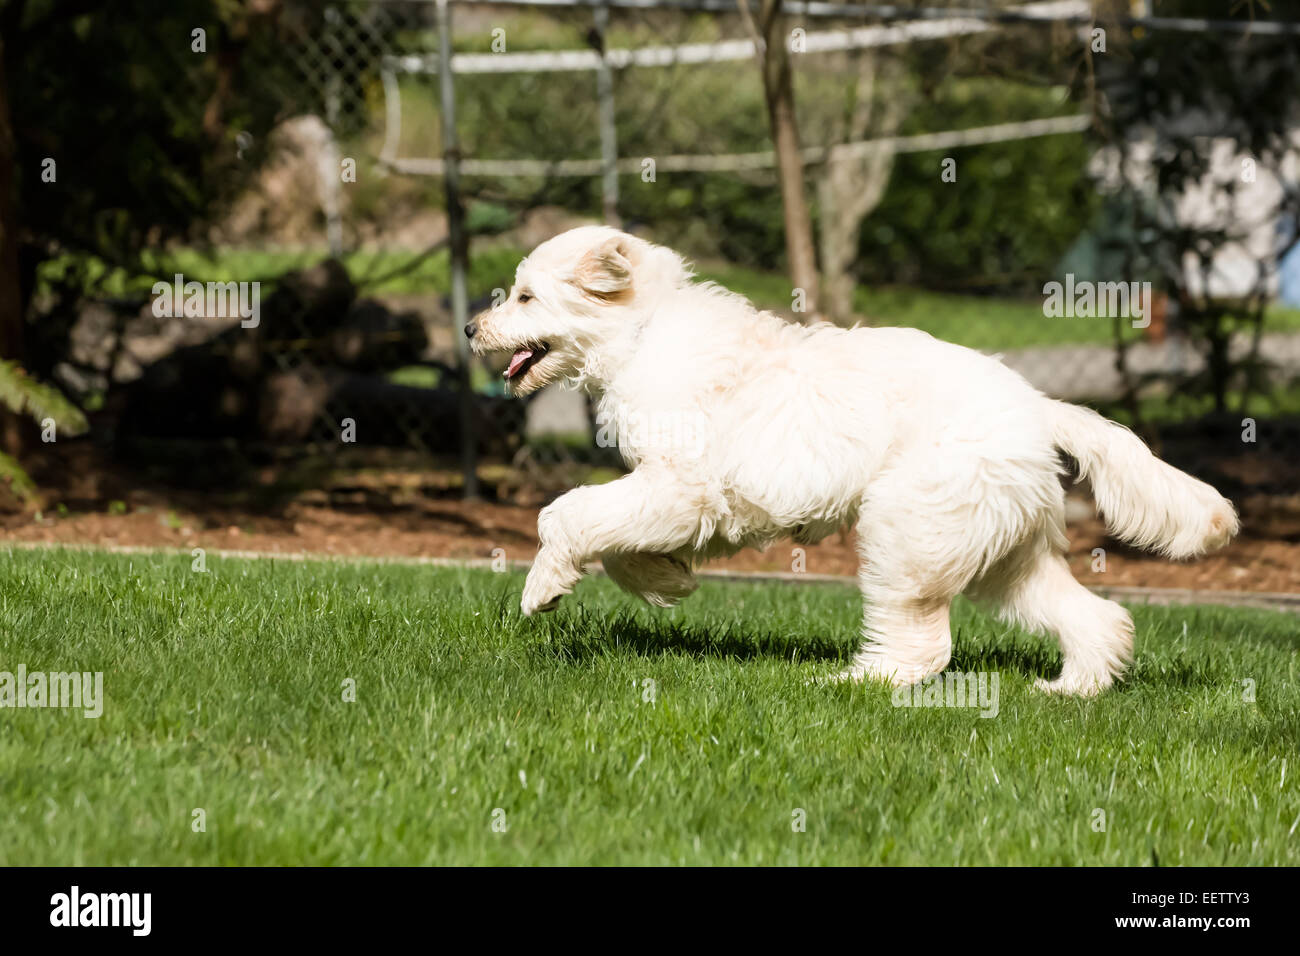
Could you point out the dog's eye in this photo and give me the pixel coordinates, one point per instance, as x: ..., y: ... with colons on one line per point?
x: 525, y: 297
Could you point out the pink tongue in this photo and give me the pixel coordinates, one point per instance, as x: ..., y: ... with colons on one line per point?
x: 516, y: 360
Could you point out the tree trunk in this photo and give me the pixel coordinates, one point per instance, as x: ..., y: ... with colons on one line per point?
x: 851, y: 185
x: 778, y: 89
x: 11, y: 298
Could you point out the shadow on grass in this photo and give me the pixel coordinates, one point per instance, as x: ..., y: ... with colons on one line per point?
x: 1043, y: 659
x: 581, y: 634
x: 584, y: 635
x: 1030, y: 662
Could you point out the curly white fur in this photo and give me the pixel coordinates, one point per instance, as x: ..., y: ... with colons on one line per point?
x: 945, y: 460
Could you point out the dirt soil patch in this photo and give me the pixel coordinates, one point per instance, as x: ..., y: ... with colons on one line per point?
x: 97, y: 506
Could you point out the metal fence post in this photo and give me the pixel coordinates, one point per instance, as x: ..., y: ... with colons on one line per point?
x: 330, y: 185
x: 608, y: 131
x: 458, y: 249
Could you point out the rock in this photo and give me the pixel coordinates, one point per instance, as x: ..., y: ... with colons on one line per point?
x: 292, y: 402
x: 282, y: 205
x: 310, y: 301
x: 373, y: 336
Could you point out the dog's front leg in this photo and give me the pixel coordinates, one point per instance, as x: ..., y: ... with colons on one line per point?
x: 647, y: 511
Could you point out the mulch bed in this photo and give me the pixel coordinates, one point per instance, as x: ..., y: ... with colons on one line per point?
x: 457, y: 529
x: 90, y: 501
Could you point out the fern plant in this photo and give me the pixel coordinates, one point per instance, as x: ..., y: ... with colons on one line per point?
x: 24, y: 395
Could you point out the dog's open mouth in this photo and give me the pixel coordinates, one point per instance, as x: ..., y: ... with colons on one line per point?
x: 524, y: 359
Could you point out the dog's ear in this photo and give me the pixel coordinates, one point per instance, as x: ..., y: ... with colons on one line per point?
x: 606, y: 270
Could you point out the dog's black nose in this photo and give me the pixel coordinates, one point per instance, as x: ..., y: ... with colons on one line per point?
x: 470, y: 330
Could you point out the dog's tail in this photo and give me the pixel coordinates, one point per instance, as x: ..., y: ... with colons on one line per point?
x: 1145, y: 502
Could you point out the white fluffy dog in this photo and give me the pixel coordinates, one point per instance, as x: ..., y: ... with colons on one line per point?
x: 741, y: 428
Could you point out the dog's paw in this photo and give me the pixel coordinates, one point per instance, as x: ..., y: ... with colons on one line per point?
x: 884, y: 671
x: 539, y: 599
x: 854, y: 675
x: 543, y: 589
x: 531, y: 607
x: 1075, y: 684
x: 860, y: 675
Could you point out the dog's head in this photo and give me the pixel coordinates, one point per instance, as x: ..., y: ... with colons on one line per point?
x: 574, y: 295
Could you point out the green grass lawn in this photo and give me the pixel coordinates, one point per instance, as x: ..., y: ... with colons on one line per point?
x: 976, y: 321
x: 606, y: 733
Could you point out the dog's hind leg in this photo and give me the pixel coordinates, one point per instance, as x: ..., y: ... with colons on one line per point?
x: 924, y: 533
x: 1096, y: 635
x: 657, y: 579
